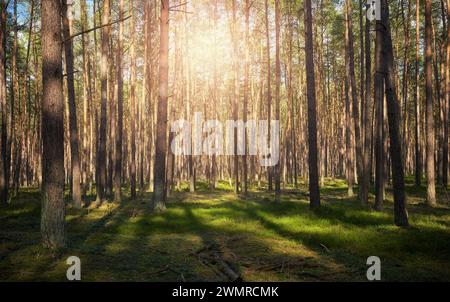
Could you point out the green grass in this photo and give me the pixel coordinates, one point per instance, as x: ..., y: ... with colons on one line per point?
x: 257, y: 238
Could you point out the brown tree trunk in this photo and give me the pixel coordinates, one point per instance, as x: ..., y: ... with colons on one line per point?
x: 235, y: 95
x: 161, y: 123
x: 119, y: 129
x: 364, y: 193
x: 349, y: 160
x: 291, y: 99
x: 430, y: 133
x: 87, y: 99
x: 53, y: 207
x: 269, y: 86
x: 277, y: 92
x: 3, y: 108
x: 379, y: 124
x: 246, y: 83
x: 398, y: 182
x: 13, y: 140
x: 350, y: 73
x: 73, y: 125
x: 101, y: 152
x: 314, y: 194
x: 447, y: 100
x: 418, y: 157
x: 133, y: 103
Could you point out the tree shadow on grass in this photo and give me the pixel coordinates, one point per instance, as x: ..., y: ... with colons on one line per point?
x: 396, y: 244
x: 132, y: 244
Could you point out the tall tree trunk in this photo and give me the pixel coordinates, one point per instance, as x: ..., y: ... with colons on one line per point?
x: 235, y: 95
x: 101, y: 152
x: 418, y: 157
x: 362, y: 80
x: 133, y: 103
x: 379, y: 124
x: 406, y: 28
x: 291, y: 101
x: 15, y: 98
x: 73, y: 125
x: 398, y: 182
x: 277, y: 92
x: 447, y: 99
x: 53, y: 207
x: 119, y: 129
x: 246, y: 83
x: 161, y: 123
x: 367, y: 126
x: 350, y: 73
x: 269, y: 85
x: 314, y: 194
x: 87, y: 98
x: 3, y: 108
x: 349, y: 134
x: 430, y: 133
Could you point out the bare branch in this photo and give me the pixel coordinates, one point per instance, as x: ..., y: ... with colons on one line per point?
x: 95, y: 28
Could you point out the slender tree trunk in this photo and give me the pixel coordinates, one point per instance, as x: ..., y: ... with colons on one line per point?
x: 133, y: 103
x: 364, y: 194
x: 430, y: 133
x: 269, y: 86
x: 15, y: 98
x: 447, y: 100
x: 53, y: 207
x: 88, y: 99
x: 161, y: 124
x: 405, y: 115
x: 101, y: 152
x: 350, y: 68
x: 349, y: 160
x: 291, y: 101
x: 73, y: 125
x: 111, y: 116
x: 3, y: 108
x: 235, y: 95
x: 379, y: 124
x: 246, y: 83
x: 314, y: 194
x: 119, y: 129
x: 277, y: 92
x: 418, y: 157
x: 398, y: 182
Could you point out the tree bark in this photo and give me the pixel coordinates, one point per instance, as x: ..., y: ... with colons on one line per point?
x: 235, y: 95
x: 277, y: 93
x: 53, y: 207
x: 101, y: 152
x: 161, y: 123
x: 430, y: 133
x: 133, y: 104
x: 418, y: 157
x: 398, y: 182
x: 73, y: 125
x: 269, y: 86
x: 246, y: 83
x: 379, y: 124
x: 3, y: 108
x: 447, y: 100
x: 119, y: 129
x: 364, y: 194
x: 350, y: 71
x: 314, y: 194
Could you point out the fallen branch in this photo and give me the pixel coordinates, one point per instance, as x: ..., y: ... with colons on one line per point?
x: 327, y: 249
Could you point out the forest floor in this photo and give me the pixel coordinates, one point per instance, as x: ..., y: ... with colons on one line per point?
x: 216, y: 236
